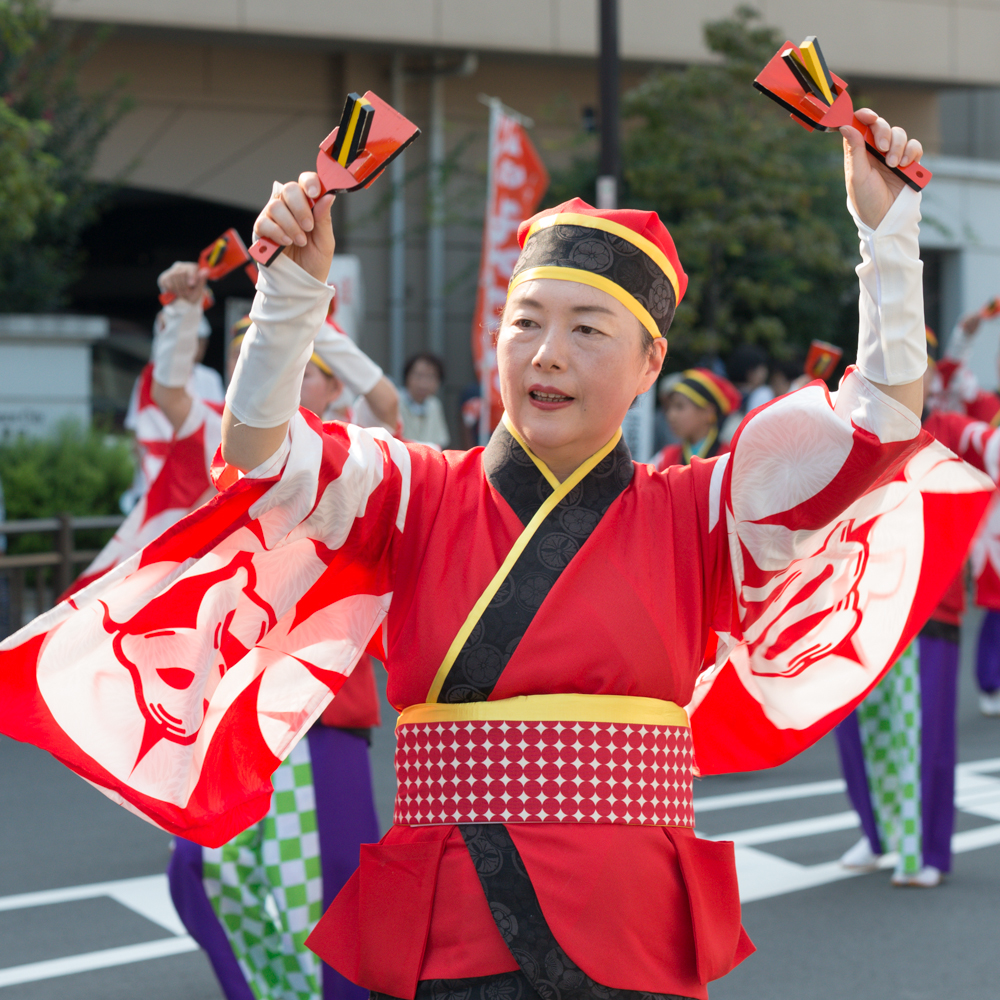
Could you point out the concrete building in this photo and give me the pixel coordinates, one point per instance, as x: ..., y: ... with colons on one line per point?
x: 47, y: 375
x: 236, y: 93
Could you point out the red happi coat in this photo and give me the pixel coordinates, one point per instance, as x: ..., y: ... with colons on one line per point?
x: 175, y: 469
x: 673, y: 454
x: 955, y: 402
x: 977, y: 443
x: 815, y: 551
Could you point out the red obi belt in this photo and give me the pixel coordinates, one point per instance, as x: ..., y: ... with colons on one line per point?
x: 553, y: 758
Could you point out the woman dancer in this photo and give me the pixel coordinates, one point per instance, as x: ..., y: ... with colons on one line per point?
x: 545, y: 605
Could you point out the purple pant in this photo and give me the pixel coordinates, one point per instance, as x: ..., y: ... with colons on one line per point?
x: 345, y: 814
x: 988, y: 654
x: 938, y: 705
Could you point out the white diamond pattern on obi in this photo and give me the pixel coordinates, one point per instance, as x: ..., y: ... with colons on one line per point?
x: 543, y: 772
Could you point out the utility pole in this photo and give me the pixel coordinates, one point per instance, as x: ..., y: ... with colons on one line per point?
x: 638, y: 424
x: 397, y: 238
x: 436, y: 212
x: 607, y: 182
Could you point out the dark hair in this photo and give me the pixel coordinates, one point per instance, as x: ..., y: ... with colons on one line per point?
x: 743, y: 360
x: 431, y: 359
x: 791, y: 367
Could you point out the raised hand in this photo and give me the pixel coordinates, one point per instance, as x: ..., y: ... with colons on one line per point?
x: 871, y: 185
x: 185, y: 280
x: 303, y: 228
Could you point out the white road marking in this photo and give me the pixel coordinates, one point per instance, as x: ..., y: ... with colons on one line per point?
x: 149, y: 896
x: 761, y: 875
x: 780, y: 793
x: 73, y: 964
x: 793, y: 830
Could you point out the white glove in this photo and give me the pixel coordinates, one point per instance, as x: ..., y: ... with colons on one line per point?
x: 290, y: 306
x: 892, y: 344
x: 175, y: 342
x: 347, y: 361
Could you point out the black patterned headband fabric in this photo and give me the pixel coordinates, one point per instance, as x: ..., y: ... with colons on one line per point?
x: 605, y: 258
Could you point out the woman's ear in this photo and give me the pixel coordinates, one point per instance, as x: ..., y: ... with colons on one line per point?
x: 654, y: 359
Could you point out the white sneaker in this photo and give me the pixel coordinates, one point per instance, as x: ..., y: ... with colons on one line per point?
x: 989, y: 704
x: 926, y: 878
x: 861, y: 857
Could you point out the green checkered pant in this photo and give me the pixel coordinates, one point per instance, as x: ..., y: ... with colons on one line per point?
x: 889, y: 719
x: 266, y: 887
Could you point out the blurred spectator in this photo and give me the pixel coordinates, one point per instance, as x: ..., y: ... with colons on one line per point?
x: 470, y: 405
x: 697, y: 402
x: 662, y: 433
x: 787, y: 375
x: 419, y: 407
x: 749, y: 372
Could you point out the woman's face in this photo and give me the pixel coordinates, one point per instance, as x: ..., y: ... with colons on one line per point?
x: 689, y: 421
x: 571, y: 361
x: 422, y: 381
x: 319, y: 390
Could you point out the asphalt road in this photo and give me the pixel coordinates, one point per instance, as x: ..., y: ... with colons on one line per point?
x: 84, y: 913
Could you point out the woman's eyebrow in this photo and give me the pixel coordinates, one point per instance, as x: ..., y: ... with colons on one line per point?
x: 593, y: 309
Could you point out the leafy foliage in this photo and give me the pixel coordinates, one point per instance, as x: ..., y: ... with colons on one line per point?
x: 49, y: 136
x: 74, y: 471
x: 754, y: 203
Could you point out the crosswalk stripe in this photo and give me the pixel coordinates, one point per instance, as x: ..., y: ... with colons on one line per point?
x: 780, y: 793
x: 72, y: 964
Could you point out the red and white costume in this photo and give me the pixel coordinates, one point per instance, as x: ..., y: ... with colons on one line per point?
x: 814, y: 552
x: 174, y: 465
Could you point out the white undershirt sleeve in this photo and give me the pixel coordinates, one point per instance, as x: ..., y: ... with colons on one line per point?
x: 892, y: 345
x: 288, y: 310
x: 175, y: 343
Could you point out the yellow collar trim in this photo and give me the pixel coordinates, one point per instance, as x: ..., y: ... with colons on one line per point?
x: 552, y: 708
x: 559, y: 492
x: 616, y: 229
x: 629, y: 301
x: 706, y: 446
x: 541, y: 466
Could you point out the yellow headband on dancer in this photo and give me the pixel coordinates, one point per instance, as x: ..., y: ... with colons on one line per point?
x: 321, y: 365
x: 628, y: 254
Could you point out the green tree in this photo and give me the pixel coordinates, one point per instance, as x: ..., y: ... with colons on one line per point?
x: 754, y: 203
x: 49, y: 136
x: 73, y: 471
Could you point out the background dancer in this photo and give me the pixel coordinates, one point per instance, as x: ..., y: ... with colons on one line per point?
x: 899, y: 749
x: 959, y: 390
x: 697, y: 405
x: 252, y: 902
x: 175, y: 413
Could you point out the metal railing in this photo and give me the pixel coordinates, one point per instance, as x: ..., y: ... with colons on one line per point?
x: 50, y: 572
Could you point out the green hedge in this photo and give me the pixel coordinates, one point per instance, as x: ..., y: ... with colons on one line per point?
x: 75, y: 471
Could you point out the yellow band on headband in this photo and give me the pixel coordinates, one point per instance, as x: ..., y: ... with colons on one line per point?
x: 692, y: 394
x: 710, y: 386
x: 321, y: 364
x: 630, y: 302
x: 649, y: 248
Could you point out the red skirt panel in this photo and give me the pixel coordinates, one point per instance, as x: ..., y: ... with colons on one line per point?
x: 356, y: 705
x: 641, y: 908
